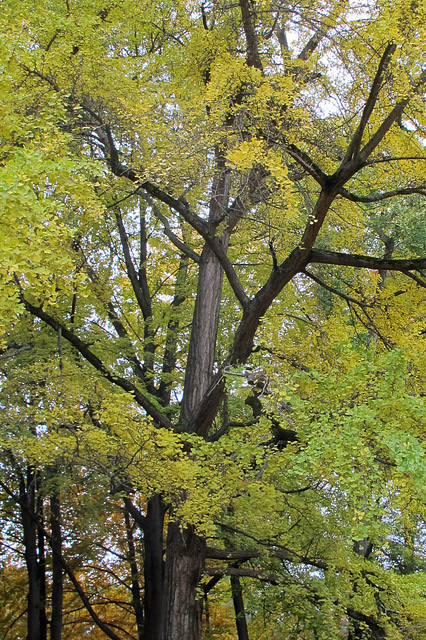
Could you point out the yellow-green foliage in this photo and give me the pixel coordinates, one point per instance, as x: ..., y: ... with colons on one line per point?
x: 85, y: 370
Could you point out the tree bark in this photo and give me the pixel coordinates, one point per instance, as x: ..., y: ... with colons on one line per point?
x: 202, y: 344
x: 240, y: 614
x: 185, y: 550
x: 57, y: 573
x: 41, y: 562
x: 27, y: 502
x: 134, y: 574
x: 202, y: 348
x: 183, y: 605
x: 153, y: 568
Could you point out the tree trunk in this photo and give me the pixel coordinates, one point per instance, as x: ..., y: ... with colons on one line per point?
x: 134, y: 574
x: 153, y: 568
x: 184, y: 567
x: 205, y: 320
x: 57, y: 573
x: 240, y: 614
x: 202, y: 346
x: 185, y: 550
x: 27, y: 502
x: 42, y: 574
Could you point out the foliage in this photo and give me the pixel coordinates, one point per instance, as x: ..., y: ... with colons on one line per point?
x: 212, y: 294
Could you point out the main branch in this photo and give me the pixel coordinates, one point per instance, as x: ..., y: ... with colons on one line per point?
x: 367, y: 262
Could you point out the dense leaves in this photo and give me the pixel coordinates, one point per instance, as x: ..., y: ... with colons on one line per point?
x: 212, y: 319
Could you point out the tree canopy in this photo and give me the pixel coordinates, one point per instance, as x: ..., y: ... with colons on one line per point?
x: 212, y: 295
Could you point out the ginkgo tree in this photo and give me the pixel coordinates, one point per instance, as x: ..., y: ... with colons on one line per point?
x: 213, y: 299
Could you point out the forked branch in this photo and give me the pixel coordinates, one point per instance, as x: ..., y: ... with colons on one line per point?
x: 355, y: 144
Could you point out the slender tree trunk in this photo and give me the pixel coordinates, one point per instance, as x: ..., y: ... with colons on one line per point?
x: 135, y: 588
x: 42, y: 575
x: 153, y: 568
x: 57, y: 573
x: 27, y: 500
x: 240, y: 614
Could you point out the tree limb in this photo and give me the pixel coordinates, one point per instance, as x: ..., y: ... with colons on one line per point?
x: 392, y: 159
x: 82, y: 348
x: 303, y: 159
x: 387, y: 123
x: 273, y: 578
x: 142, y: 296
x: 253, y: 58
x: 169, y: 233
x: 355, y: 144
x: 312, y: 44
x: 321, y: 256
x: 420, y: 282
x: 332, y: 289
x: 137, y: 515
x: 377, y: 197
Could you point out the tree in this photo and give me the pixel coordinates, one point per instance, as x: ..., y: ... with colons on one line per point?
x: 180, y: 179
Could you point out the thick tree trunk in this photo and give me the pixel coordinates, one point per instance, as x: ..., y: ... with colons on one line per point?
x: 183, y: 605
x: 57, y: 573
x: 202, y: 346
x: 185, y: 550
x: 205, y: 320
